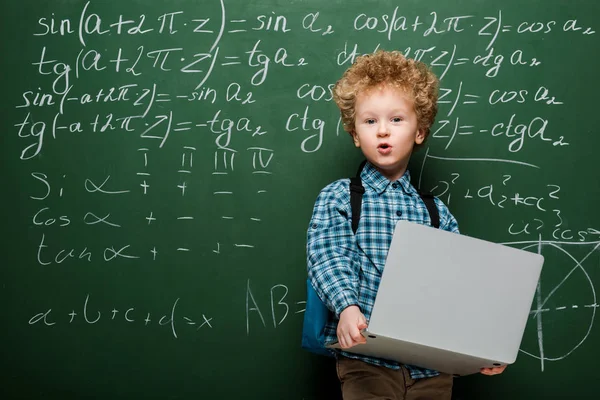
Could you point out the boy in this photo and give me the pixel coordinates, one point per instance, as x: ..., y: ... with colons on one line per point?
x: 388, y: 104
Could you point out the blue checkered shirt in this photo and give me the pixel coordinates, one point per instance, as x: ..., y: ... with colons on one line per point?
x: 345, y: 269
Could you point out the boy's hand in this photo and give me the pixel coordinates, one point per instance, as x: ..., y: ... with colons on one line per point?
x: 493, y: 371
x: 352, y: 321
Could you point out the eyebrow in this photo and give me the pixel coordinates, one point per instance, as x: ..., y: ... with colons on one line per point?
x: 392, y: 112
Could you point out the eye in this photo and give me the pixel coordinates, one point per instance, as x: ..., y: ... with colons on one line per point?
x: 397, y: 119
x: 370, y: 121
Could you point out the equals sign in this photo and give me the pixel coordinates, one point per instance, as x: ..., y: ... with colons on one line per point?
x: 465, y: 127
x: 471, y: 96
x: 237, y: 21
x: 231, y: 62
x: 183, y: 124
x: 461, y: 61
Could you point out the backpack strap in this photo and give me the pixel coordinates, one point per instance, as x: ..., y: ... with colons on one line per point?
x: 356, y: 193
x: 434, y: 214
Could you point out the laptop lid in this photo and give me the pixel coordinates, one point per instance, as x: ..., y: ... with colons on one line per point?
x: 451, y: 300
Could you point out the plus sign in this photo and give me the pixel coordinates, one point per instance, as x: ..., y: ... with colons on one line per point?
x: 182, y: 187
x: 145, y: 186
x: 154, y: 253
x: 517, y: 198
x: 150, y: 218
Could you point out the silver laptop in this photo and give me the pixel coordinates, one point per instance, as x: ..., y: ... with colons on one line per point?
x: 450, y: 302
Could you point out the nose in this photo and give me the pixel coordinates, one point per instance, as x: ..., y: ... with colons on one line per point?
x: 383, y: 130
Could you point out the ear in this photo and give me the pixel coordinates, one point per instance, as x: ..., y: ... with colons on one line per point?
x: 356, y: 139
x: 420, y: 137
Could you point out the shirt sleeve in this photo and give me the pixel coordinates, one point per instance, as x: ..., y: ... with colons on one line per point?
x: 447, y: 220
x: 332, y: 252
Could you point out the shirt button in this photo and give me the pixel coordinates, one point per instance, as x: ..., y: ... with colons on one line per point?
x: 399, y: 213
x: 394, y: 185
x: 315, y: 226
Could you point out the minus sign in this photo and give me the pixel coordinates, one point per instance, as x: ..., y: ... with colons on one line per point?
x: 182, y: 249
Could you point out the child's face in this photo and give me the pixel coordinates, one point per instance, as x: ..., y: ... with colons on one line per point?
x: 386, y: 129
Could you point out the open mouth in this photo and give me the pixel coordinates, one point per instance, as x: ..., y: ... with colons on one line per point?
x: 384, y: 149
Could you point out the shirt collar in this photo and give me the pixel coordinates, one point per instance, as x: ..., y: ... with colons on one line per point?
x: 372, y: 177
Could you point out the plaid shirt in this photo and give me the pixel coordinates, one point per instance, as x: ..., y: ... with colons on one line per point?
x: 345, y: 269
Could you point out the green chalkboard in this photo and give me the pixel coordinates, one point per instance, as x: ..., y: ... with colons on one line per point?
x: 160, y: 160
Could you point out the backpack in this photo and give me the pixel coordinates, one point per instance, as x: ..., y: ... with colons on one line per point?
x: 316, y: 313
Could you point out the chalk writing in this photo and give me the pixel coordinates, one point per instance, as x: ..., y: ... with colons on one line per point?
x: 180, y: 146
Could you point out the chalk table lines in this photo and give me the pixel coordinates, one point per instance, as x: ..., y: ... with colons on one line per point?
x: 540, y: 302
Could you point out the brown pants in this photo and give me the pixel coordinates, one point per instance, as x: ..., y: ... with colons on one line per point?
x: 364, y: 381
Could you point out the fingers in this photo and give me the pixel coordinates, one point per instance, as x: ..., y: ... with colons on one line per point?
x: 350, y: 338
x: 344, y: 338
x: 351, y: 323
x: 356, y: 333
x: 349, y: 335
x: 346, y: 341
x: 343, y: 341
x: 493, y: 371
x: 362, y: 325
x: 499, y: 370
x: 358, y: 338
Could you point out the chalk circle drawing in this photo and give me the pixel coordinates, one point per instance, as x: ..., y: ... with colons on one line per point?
x: 569, y: 305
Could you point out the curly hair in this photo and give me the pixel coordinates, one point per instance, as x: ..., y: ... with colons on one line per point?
x: 389, y: 68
